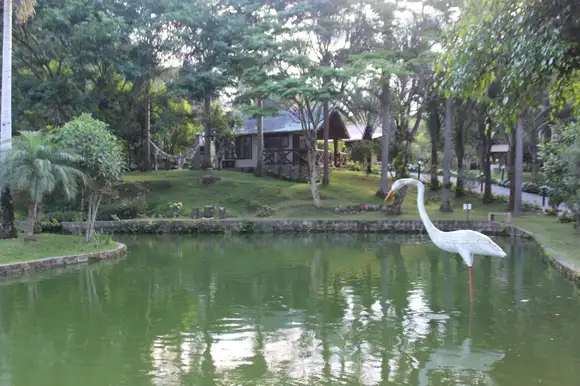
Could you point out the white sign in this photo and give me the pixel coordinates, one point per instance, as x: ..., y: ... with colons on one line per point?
x: 466, y: 206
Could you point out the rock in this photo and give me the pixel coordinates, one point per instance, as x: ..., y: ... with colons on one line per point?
x: 209, y: 179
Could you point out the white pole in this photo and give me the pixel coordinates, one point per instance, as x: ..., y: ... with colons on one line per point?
x: 6, y: 107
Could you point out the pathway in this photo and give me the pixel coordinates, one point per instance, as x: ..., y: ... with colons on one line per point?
x: 535, y: 199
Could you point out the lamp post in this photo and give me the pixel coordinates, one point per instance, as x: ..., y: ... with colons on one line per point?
x: 467, y: 209
x: 419, y: 170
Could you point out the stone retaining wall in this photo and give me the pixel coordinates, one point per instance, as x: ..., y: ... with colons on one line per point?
x: 51, y: 262
x: 290, y: 226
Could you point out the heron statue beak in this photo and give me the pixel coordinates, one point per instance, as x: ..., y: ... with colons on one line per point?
x: 389, y: 195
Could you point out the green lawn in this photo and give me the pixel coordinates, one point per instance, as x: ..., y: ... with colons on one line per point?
x: 240, y: 193
x: 48, y: 245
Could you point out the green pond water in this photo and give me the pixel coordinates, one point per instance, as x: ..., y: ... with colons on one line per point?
x: 291, y: 310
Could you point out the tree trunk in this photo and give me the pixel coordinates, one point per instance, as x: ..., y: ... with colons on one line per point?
x: 434, y: 125
x: 485, y: 164
x: 519, y: 165
x: 6, y: 113
x: 207, y: 129
x: 386, y: 111
x: 32, y: 216
x: 326, y: 133
x: 8, y: 229
x: 460, y: 154
x: 313, y: 168
x: 260, y: 144
x: 147, y: 144
x: 534, y: 153
x: 510, y: 169
x: 94, y: 202
x: 446, y: 204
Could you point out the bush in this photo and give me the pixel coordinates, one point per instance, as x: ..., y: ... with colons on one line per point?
x: 265, y: 211
x: 530, y: 187
x: 255, y: 205
x: 176, y: 208
x: 63, y: 216
x: 50, y: 226
x: 133, y: 207
x: 107, y: 211
x: 500, y: 199
x: 354, y: 166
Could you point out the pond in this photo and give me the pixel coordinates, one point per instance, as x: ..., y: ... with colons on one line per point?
x: 291, y: 310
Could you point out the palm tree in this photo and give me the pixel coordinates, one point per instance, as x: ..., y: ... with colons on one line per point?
x: 24, y: 9
x: 37, y: 166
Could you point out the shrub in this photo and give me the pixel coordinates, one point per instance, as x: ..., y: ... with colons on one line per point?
x: 530, y: 187
x: 50, y: 226
x: 132, y: 207
x: 176, y: 208
x: 354, y: 166
x: 265, y: 211
x: 255, y: 205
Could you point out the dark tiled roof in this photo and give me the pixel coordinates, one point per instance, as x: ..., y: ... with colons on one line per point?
x: 283, y: 122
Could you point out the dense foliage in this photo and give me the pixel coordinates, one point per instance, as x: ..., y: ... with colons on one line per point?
x: 102, y: 159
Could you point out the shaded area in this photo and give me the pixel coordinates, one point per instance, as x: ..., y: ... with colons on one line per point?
x: 273, y: 310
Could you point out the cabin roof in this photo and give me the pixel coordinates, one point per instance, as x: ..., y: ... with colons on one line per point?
x: 500, y: 148
x: 286, y: 122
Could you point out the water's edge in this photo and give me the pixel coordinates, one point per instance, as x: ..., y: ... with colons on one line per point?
x: 319, y: 226
x: 13, y: 269
x: 279, y: 226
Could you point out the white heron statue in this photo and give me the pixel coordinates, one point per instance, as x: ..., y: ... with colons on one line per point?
x: 464, y: 242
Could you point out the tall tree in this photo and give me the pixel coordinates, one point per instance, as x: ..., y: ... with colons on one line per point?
x: 255, y: 55
x: 147, y: 22
x: 102, y: 160
x: 208, y: 33
x: 24, y: 10
x: 532, y: 47
x: 326, y: 28
x: 447, y: 152
x: 434, y: 127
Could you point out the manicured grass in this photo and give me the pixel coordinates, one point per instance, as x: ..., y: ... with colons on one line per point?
x: 240, y: 193
x: 48, y: 245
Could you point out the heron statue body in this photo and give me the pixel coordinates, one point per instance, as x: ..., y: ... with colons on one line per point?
x: 466, y: 243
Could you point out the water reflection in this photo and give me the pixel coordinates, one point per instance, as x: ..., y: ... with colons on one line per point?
x: 361, y: 309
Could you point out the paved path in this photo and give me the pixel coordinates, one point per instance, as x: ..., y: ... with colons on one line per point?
x: 495, y: 189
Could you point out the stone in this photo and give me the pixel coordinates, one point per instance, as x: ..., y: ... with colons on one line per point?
x: 222, y: 213
x: 208, y: 211
x: 195, y: 213
x: 209, y: 179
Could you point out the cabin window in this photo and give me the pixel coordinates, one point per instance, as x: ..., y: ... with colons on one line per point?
x: 276, y: 142
x: 244, y: 147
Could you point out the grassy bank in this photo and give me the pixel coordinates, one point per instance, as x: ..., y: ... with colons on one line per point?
x: 243, y: 194
x: 48, y: 245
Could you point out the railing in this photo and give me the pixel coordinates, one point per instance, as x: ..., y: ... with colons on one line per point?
x: 300, y: 157
x: 285, y: 156
x: 340, y: 159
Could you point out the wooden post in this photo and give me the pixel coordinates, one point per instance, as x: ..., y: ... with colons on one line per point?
x: 195, y: 213
x: 208, y: 211
x: 336, y: 160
